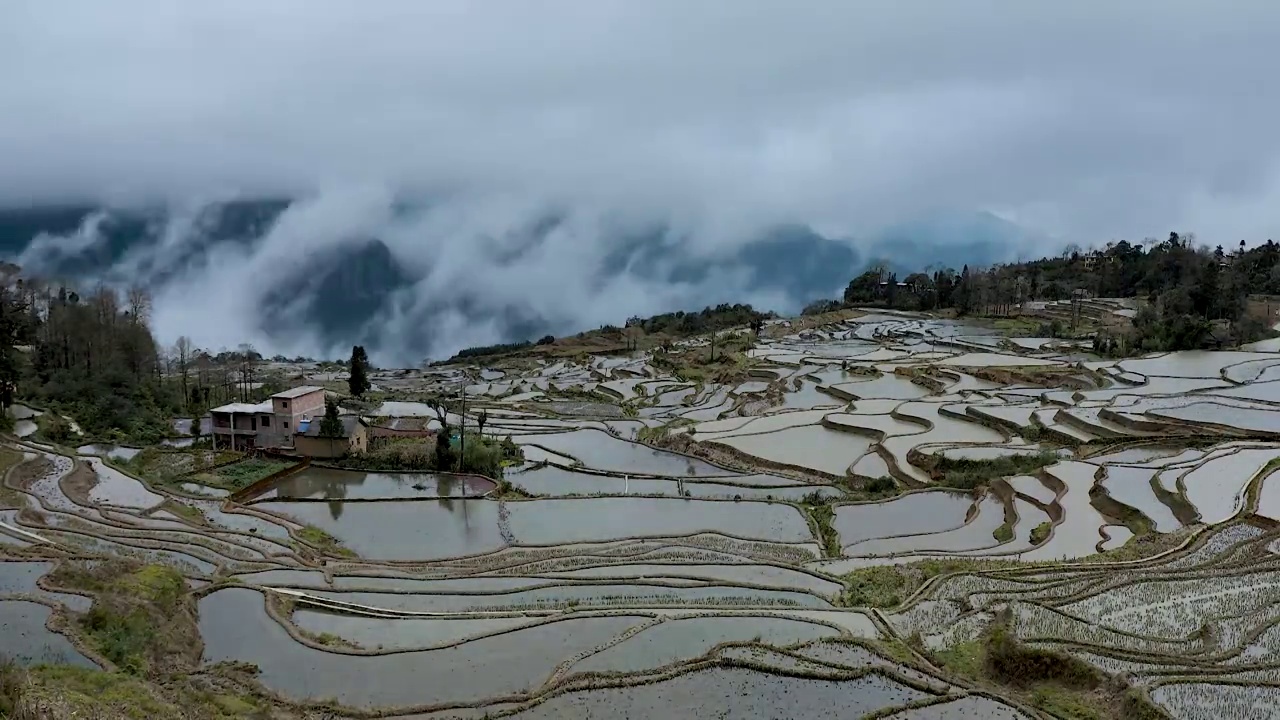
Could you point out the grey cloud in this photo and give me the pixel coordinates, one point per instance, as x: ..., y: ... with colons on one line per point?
x: 1084, y: 121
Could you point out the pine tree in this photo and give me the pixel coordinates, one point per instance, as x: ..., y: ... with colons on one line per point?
x: 331, y: 424
x: 358, y: 379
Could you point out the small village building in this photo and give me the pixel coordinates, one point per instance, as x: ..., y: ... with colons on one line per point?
x: 310, y: 443
x: 270, y: 424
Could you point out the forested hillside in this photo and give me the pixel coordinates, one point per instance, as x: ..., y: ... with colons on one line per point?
x: 93, y: 358
x: 1184, y: 289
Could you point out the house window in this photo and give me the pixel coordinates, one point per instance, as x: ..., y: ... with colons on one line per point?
x: 286, y: 424
x: 266, y: 422
x: 285, y: 403
x: 253, y: 423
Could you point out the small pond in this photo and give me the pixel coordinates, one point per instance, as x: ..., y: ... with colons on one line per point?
x: 417, y: 530
x: 331, y: 484
x: 28, y: 641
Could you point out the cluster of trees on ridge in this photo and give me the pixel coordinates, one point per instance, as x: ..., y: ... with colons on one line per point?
x: 673, y: 324
x: 1193, y: 296
x: 92, y: 356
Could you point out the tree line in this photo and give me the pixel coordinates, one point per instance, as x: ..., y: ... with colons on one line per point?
x: 1192, y: 296
x: 89, y: 356
x: 681, y: 323
x: 92, y: 356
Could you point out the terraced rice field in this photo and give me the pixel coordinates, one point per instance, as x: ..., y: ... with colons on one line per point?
x: 671, y: 548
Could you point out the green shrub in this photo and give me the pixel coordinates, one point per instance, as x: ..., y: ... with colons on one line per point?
x: 881, y: 484
x: 968, y: 474
x: 1040, y: 533
x: 882, y: 587
x: 121, y: 638
x: 54, y: 428
x: 1012, y: 662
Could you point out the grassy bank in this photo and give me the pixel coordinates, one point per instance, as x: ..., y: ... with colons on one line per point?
x: 1053, y: 682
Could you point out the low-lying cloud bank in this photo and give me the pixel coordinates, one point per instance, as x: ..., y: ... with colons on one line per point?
x: 315, y: 275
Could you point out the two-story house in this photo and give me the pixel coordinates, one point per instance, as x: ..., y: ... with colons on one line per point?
x: 268, y: 424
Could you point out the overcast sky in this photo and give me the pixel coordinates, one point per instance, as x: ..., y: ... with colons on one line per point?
x: 1085, y: 117
x: 1084, y: 120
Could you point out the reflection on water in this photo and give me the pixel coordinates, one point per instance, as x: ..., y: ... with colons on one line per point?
x: 405, y: 530
x: 115, y: 452
x: 28, y: 641
x: 317, y: 483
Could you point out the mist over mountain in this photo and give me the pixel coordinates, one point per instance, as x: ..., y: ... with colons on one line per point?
x: 304, y: 277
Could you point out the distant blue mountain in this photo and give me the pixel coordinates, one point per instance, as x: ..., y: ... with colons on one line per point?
x: 791, y: 260
x: 948, y: 240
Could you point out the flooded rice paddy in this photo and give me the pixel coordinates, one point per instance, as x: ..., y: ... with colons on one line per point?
x: 671, y: 548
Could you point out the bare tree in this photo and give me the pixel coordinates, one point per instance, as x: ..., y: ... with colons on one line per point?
x: 183, y: 353
x: 139, y: 304
x: 248, y: 368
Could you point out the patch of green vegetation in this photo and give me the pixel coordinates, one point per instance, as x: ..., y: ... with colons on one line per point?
x: 653, y: 435
x: 238, y: 706
x: 154, y: 584
x: 81, y: 692
x: 968, y: 659
x: 819, y: 510
x: 323, y: 541
x: 143, y: 620
x: 886, y: 586
x: 241, y: 475
x: 1040, y: 533
x: 9, y: 458
x: 62, y: 691
x: 1139, y: 547
x: 1136, y: 705
x: 1064, y: 703
x: 1013, y: 663
x: 1004, y: 533
x: 895, y: 649
x: 1031, y: 433
x: 483, y: 455
x: 121, y: 638
x: 172, y: 466
x: 1017, y: 327
x: 968, y: 474
x: 122, y: 622
x: 1059, y: 684
x: 53, y: 428
x: 724, y: 361
x: 328, y: 639
x: 881, y: 485
x: 882, y: 587
x: 186, y: 512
